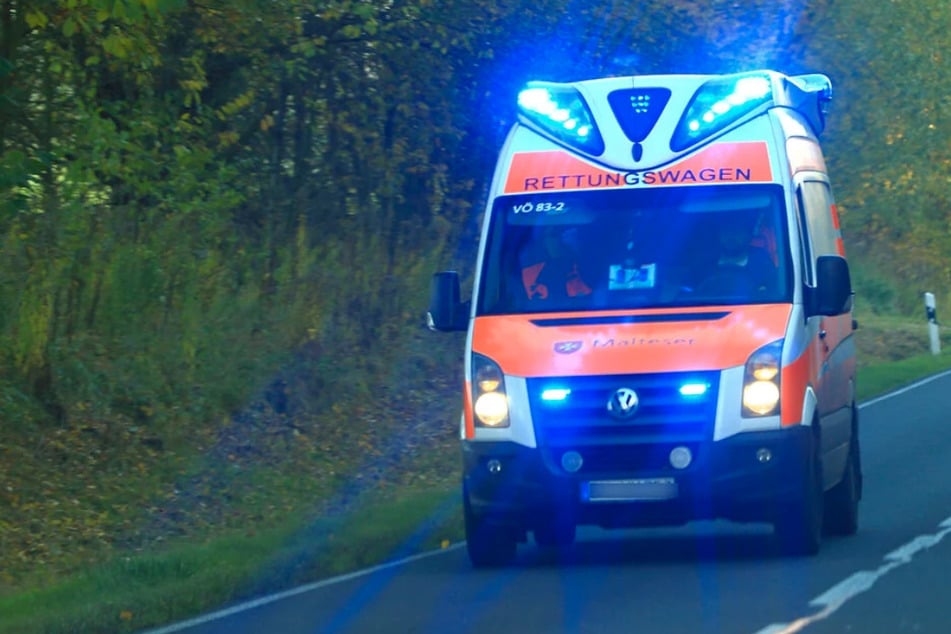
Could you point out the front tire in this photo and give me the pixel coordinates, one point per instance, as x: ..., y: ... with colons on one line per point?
x: 842, y: 501
x: 489, y: 545
x: 798, y: 527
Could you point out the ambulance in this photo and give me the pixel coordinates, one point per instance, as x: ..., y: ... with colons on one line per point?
x: 660, y: 328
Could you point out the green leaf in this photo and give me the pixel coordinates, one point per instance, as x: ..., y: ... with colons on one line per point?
x: 364, y: 11
x: 351, y: 31
x: 70, y: 27
x: 36, y: 19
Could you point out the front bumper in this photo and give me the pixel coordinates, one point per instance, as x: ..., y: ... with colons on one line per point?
x: 524, y: 487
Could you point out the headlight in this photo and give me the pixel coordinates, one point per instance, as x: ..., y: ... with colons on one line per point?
x: 490, y: 405
x: 761, y: 393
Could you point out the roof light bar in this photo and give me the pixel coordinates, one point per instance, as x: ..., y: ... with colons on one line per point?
x: 718, y: 103
x: 818, y: 94
x: 561, y: 112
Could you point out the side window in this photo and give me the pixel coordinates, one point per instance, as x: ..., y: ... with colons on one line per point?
x: 815, y: 217
x: 817, y: 200
x: 806, y: 241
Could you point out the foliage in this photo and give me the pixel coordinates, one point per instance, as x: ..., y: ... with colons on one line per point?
x: 890, y: 139
x: 218, y: 222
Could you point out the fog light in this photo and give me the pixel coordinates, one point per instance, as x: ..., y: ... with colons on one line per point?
x: 494, y: 466
x: 680, y: 457
x: 763, y: 455
x: 571, y: 461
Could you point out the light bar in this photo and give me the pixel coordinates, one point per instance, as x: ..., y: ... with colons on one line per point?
x: 819, y: 89
x: 718, y: 103
x: 816, y: 83
x: 561, y: 112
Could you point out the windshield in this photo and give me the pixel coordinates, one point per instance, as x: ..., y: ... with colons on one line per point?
x: 636, y: 248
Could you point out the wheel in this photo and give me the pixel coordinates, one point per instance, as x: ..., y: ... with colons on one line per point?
x: 799, y: 525
x: 842, y: 501
x: 488, y: 545
x: 555, y: 534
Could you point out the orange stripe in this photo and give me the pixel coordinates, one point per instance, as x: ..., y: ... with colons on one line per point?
x: 554, y: 170
x: 522, y: 348
x: 467, y: 411
x: 835, y: 216
x: 795, y: 379
x: 839, y: 244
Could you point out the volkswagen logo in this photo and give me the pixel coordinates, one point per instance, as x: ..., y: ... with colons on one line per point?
x: 623, y: 403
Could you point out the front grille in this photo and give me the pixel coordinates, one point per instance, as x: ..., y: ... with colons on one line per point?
x: 664, y: 418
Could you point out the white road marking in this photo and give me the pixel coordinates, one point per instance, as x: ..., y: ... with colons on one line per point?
x: 271, y: 598
x: 849, y: 588
x: 836, y: 596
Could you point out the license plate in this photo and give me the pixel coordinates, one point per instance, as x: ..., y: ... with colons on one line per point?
x: 629, y: 490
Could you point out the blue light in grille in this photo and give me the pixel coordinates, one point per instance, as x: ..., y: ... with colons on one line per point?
x: 693, y: 389
x: 555, y: 394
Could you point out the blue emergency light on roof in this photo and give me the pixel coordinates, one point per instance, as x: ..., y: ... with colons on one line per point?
x: 718, y: 103
x: 820, y: 87
x: 561, y: 111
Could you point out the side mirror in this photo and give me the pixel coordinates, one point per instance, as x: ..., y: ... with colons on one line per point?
x: 832, y: 294
x: 446, y: 312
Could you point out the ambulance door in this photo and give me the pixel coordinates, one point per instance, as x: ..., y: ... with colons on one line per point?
x: 833, y: 347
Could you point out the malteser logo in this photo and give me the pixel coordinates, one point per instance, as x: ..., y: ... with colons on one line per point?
x: 567, y: 347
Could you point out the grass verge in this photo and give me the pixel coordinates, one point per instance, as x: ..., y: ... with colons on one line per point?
x: 136, y: 592
x: 881, y: 379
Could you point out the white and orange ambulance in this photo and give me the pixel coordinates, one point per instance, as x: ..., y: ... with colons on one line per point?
x: 660, y: 328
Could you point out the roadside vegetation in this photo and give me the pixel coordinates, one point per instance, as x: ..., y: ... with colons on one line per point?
x: 217, y: 226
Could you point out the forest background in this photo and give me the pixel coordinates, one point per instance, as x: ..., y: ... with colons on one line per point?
x: 218, y: 221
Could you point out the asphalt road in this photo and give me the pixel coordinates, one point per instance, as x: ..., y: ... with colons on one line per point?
x: 893, y: 576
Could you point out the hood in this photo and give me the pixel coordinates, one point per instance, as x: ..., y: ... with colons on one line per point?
x: 578, y: 344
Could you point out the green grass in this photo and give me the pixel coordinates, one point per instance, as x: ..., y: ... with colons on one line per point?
x: 880, y: 379
x: 131, y: 592
x: 135, y: 591
x: 894, y: 352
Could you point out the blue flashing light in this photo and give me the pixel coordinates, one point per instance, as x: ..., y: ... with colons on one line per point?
x: 718, y: 103
x: 693, y: 389
x: 560, y: 111
x: 555, y: 394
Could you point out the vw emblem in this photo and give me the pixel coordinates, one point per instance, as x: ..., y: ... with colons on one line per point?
x: 623, y: 403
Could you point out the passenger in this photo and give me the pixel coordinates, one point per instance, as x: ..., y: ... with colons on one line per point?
x: 741, y: 267
x: 550, y: 265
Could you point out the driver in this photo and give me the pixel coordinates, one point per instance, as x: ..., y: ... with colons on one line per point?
x: 550, y: 265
